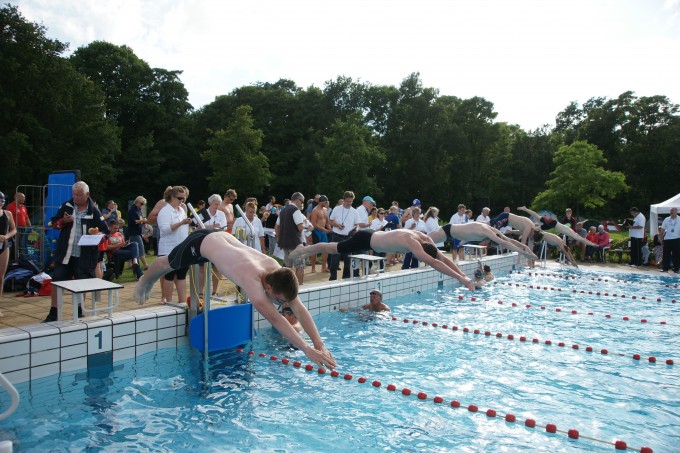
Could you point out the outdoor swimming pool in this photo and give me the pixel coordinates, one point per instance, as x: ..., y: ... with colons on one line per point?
x: 163, y: 401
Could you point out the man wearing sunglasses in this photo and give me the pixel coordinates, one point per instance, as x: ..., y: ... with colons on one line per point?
x: 265, y: 282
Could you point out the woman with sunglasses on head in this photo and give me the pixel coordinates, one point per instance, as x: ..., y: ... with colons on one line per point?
x: 173, y: 225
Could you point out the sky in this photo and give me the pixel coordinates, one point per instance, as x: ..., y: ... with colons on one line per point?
x: 530, y: 58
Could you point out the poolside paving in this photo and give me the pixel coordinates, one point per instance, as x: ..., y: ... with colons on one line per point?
x: 21, y: 311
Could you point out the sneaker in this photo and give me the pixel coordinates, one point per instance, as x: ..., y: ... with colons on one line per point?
x: 663, y: 270
x: 137, y: 271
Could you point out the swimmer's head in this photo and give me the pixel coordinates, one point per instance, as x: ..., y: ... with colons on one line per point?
x: 487, y: 269
x: 538, y: 235
x: 287, y: 313
x: 479, y: 274
x: 284, y: 282
x: 430, y: 249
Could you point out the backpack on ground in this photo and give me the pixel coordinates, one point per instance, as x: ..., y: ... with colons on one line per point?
x: 39, y: 285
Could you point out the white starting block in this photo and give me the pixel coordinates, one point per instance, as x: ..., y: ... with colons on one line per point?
x: 78, y: 289
x: 364, y: 262
x: 476, y: 251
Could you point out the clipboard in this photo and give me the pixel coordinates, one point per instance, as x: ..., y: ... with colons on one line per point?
x: 90, y: 240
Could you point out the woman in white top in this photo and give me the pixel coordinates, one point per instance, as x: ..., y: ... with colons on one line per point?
x: 484, y: 216
x: 173, y: 225
x: 379, y: 223
x: 432, y: 222
x: 256, y: 233
x: 213, y: 217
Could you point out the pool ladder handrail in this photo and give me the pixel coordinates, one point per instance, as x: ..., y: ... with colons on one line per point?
x: 250, y: 238
x: 7, y: 385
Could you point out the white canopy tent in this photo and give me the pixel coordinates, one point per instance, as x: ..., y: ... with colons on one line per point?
x: 661, y: 208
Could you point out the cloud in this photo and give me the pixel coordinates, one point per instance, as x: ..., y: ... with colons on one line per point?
x: 529, y: 57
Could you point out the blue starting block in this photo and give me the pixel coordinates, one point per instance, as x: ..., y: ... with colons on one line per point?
x: 228, y: 327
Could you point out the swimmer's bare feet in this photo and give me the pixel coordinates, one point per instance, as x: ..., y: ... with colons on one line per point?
x: 299, y: 250
x: 142, y: 291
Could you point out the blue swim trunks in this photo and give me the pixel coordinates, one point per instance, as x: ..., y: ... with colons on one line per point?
x: 320, y: 236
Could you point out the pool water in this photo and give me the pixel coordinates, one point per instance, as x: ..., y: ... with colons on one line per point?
x: 170, y: 400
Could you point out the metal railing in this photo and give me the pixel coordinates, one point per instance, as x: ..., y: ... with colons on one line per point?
x: 4, y: 383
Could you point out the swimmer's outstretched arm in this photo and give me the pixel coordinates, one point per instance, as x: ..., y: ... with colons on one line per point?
x: 316, y: 353
x: 512, y: 244
x: 444, y: 265
x: 562, y: 228
x: 568, y: 254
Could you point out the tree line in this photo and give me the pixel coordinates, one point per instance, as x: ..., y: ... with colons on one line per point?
x: 131, y: 130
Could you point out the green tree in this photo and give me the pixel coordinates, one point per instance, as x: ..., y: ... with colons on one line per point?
x: 350, y: 159
x: 51, y: 117
x: 517, y: 165
x: 235, y: 156
x: 637, y: 137
x: 151, y: 107
x: 579, y: 179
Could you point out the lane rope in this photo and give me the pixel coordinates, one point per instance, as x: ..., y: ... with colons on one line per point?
x: 575, y: 291
x: 523, y: 339
x: 490, y: 414
x: 575, y: 277
x: 559, y: 310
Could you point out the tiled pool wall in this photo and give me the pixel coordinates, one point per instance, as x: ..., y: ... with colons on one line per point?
x: 40, y: 350
x: 352, y: 293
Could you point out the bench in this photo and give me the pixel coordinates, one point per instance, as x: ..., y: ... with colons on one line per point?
x: 78, y: 289
x: 364, y: 262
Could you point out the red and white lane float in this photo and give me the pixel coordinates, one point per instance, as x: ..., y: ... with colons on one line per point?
x: 596, y: 293
x: 557, y: 310
x: 576, y: 277
x: 523, y: 339
x: 472, y: 409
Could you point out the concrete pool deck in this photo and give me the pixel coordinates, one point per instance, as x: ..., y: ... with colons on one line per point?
x: 22, y: 311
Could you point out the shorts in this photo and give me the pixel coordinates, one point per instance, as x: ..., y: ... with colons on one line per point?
x: 319, y: 236
x: 359, y: 242
x: 188, y: 251
x: 447, y: 230
x: 293, y: 263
